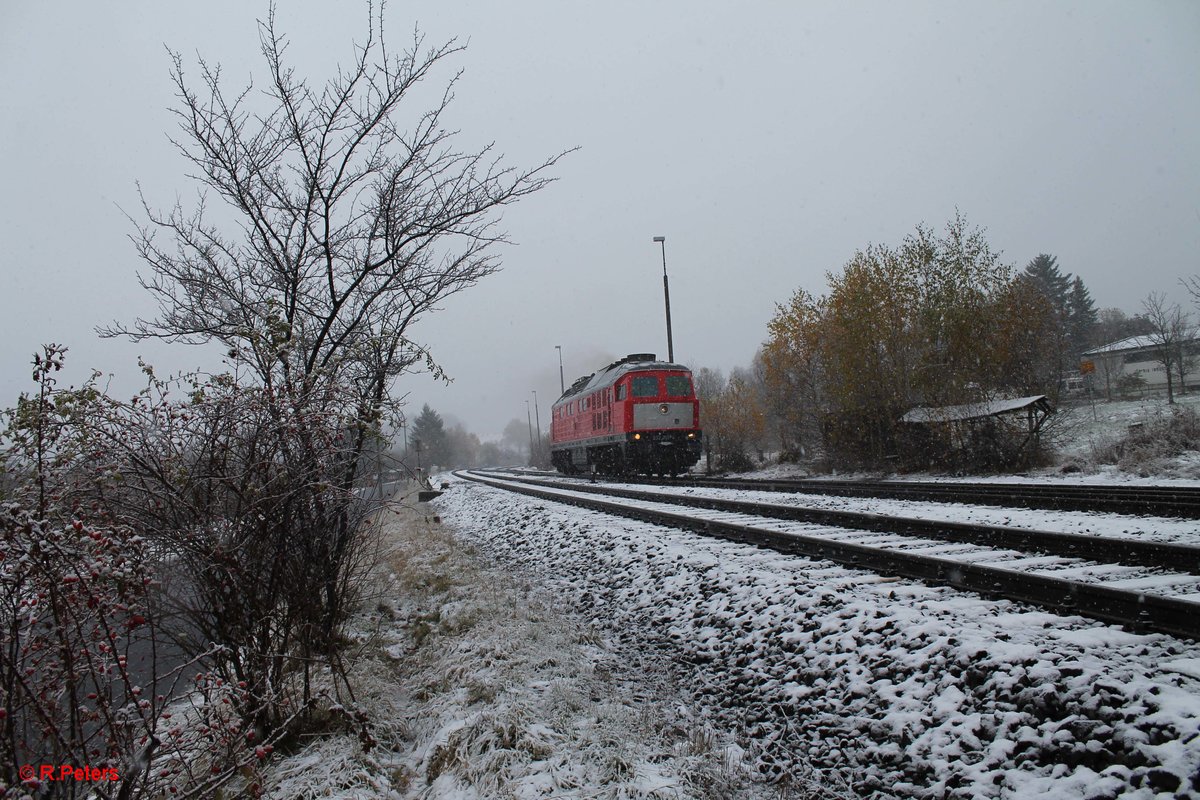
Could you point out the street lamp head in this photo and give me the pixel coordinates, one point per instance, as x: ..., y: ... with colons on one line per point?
x: 660, y: 238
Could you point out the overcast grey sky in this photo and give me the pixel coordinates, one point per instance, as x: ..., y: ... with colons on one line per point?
x: 767, y: 141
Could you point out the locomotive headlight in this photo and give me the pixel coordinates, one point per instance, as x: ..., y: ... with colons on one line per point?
x: 691, y: 435
x: 663, y: 408
x: 637, y: 436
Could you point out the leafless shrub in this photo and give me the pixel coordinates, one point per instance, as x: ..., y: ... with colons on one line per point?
x: 83, y: 680
x: 232, y: 500
x: 1148, y: 444
x: 344, y: 228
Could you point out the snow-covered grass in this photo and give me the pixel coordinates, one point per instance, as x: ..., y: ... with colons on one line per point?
x: 1088, y: 438
x: 479, y: 686
x: 899, y: 688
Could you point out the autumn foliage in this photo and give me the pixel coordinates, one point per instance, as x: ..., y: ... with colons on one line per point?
x: 938, y: 320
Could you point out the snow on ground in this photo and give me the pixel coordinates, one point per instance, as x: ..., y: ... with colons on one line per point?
x: 525, y: 649
x: 1157, y: 529
x: 1088, y: 429
x: 901, y: 689
x: 478, y: 688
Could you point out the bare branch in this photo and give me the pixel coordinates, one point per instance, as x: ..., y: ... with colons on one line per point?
x: 347, y: 226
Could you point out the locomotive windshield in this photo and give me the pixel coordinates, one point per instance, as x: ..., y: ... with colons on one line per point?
x: 678, y: 386
x: 645, y: 386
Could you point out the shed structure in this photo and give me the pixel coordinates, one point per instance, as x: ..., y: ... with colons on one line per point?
x: 991, y: 432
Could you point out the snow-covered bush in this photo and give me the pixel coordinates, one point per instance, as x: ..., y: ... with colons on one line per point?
x: 83, y: 680
x: 215, y: 536
x: 1148, y: 445
x: 74, y: 610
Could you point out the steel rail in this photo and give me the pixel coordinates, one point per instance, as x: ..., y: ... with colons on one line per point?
x: 1183, y: 501
x: 1138, y: 610
x: 1176, y: 557
x: 1164, y: 501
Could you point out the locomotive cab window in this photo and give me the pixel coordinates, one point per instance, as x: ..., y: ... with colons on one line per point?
x: 645, y: 386
x: 621, y: 392
x: 678, y: 386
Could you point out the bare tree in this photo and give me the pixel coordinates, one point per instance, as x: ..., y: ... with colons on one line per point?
x: 1112, y: 367
x: 349, y: 228
x: 710, y: 388
x: 1188, y: 352
x: 1170, y: 329
x: 341, y: 227
x: 1192, y: 284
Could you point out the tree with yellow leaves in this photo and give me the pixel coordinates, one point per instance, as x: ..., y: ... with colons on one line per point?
x: 939, y: 320
x: 793, y: 373
x: 733, y: 415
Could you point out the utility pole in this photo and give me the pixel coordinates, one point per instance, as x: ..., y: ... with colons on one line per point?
x: 529, y: 422
x: 562, y: 384
x: 538, y: 417
x: 666, y: 298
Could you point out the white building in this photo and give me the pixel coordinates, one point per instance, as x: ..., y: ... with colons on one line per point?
x: 1117, y: 367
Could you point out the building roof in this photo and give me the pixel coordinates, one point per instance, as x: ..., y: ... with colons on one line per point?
x: 968, y: 411
x: 1121, y: 345
x: 1144, y: 342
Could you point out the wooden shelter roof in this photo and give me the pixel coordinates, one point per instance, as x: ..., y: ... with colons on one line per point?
x: 969, y: 411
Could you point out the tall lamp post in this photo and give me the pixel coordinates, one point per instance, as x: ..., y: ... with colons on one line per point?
x: 537, y: 416
x: 529, y: 422
x: 404, y: 427
x: 666, y: 298
x: 562, y: 384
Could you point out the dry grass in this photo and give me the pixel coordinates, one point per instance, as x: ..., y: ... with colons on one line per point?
x: 477, y: 686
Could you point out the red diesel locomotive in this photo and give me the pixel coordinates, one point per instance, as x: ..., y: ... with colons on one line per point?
x: 637, y: 414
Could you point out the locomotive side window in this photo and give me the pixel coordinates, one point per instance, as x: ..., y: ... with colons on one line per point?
x: 645, y: 386
x: 621, y: 392
x: 678, y: 386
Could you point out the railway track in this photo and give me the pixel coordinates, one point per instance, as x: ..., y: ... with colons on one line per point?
x: 1144, y: 585
x: 1159, y: 501
x: 1155, y: 501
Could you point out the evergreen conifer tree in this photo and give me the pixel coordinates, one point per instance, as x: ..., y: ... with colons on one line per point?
x: 1071, y: 301
x: 429, y: 436
x: 1082, y: 317
x: 1043, y: 271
